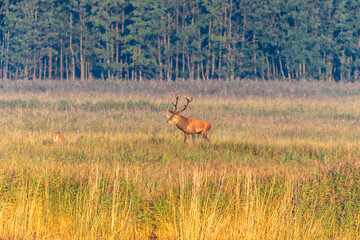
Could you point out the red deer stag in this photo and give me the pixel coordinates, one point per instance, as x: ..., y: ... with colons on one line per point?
x: 190, y: 126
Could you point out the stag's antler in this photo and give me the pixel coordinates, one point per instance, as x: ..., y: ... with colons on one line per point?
x: 177, y: 96
x: 188, y: 99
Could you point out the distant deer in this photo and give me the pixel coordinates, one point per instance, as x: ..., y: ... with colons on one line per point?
x: 58, y: 137
x: 190, y: 126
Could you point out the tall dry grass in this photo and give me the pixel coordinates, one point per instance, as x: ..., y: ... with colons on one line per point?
x: 284, y: 167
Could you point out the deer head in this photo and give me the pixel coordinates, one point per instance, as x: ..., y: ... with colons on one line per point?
x: 175, y: 117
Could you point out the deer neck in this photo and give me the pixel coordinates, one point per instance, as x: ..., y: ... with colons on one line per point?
x: 182, y: 124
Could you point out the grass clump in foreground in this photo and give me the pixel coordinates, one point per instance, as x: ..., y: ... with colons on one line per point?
x: 55, y: 197
x: 276, y: 168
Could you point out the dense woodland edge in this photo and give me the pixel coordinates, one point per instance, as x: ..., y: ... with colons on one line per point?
x: 180, y: 39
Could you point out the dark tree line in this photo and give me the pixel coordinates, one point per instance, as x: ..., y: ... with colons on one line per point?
x: 173, y: 39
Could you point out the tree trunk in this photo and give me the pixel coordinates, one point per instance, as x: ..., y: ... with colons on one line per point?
x: 73, y: 68
x: 121, y: 54
x: 356, y: 75
x: 44, y: 69
x: 198, y: 71
x: 160, y: 59
x: 207, y: 67
x: 304, y: 69
x: 67, y: 68
x: 56, y: 71
x: 254, y: 57
x: 348, y: 72
x: 255, y: 69
x: 17, y: 72
x: 117, y: 43
x: 117, y: 47
x: 177, y: 52
x: 72, y: 52
x: 61, y: 61
x: 87, y: 72
x: 6, y: 62
x: 109, y: 71
x: 26, y: 69
x: 2, y: 59
x: 230, y: 44
x: 219, y: 66
x: 40, y: 69
x: 34, y: 73
x: 262, y: 68
x: 203, y: 77
x: 82, y: 62
x: 169, y: 59
x: 183, y: 60
x: 190, y: 67
x: 268, y: 67
x: 329, y: 76
x: 50, y: 66
x: 177, y: 66
x: 281, y: 67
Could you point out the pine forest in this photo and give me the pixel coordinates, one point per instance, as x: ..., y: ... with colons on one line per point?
x: 180, y: 39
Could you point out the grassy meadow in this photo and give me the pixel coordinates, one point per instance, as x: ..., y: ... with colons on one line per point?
x: 283, y: 161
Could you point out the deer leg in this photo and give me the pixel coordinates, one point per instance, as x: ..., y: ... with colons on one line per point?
x: 193, y: 137
x: 204, y: 135
x: 185, y: 137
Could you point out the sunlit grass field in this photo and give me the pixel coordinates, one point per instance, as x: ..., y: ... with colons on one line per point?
x: 283, y: 161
